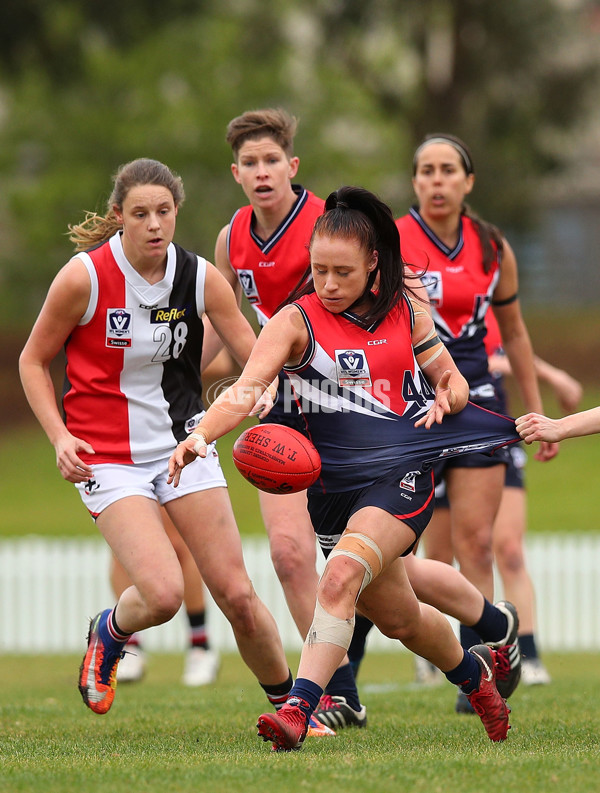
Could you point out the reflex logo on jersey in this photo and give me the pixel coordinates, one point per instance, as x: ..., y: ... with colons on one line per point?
x: 160, y: 316
x: 118, y: 327
x: 352, y: 369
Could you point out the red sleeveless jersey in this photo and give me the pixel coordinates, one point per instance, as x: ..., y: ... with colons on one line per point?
x: 268, y: 270
x: 459, y: 290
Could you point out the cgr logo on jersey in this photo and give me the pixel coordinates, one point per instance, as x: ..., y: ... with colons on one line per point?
x: 352, y: 368
x: 118, y: 327
x: 160, y: 316
x: 246, y: 279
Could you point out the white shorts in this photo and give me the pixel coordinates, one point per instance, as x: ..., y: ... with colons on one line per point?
x: 111, y: 482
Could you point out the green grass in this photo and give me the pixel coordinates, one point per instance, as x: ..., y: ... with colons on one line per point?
x: 162, y: 737
x: 35, y: 499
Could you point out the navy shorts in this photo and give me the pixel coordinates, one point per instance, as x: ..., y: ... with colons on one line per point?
x: 404, y: 493
x: 514, y: 477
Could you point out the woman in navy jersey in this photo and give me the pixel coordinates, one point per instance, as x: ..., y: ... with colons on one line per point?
x: 263, y: 252
x: 128, y: 310
x: 511, y: 520
x: 468, y: 266
x: 383, y: 400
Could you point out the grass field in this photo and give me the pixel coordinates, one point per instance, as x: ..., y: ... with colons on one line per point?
x: 35, y: 500
x: 160, y: 736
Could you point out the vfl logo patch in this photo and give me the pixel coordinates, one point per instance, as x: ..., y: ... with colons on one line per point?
x: 408, y: 482
x: 433, y: 283
x: 118, y: 327
x: 352, y: 368
x: 246, y: 279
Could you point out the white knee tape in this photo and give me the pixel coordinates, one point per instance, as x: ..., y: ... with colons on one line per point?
x: 363, y: 550
x: 329, y: 629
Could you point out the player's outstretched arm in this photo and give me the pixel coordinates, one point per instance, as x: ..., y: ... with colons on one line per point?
x: 536, y: 427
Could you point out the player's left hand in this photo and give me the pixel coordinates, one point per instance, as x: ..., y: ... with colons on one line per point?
x: 442, y: 404
x: 547, y: 451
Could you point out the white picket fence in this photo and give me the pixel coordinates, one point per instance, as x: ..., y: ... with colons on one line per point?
x: 50, y: 588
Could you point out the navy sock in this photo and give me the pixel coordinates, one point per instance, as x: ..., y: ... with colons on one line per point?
x: 528, y: 646
x: 492, y: 625
x: 343, y: 684
x: 357, y: 648
x: 468, y: 637
x: 308, y: 692
x: 197, y: 621
x: 466, y: 675
x: 277, y: 695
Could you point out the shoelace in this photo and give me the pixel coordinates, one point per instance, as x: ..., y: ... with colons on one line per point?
x: 326, y: 703
x: 503, y: 668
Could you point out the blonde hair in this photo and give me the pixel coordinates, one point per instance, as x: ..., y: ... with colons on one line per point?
x: 273, y: 123
x: 95, y: 228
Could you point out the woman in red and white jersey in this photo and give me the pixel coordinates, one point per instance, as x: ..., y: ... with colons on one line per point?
x: 467, y: 266
x: 128, y: 310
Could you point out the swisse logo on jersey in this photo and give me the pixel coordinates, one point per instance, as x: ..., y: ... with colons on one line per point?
x: 246, y: 279
x: 161, y: 315
x: 118, y: 327
x: 352, y: 368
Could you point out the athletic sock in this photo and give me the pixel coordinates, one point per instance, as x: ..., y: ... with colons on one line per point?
x: 356, y: 651
x: 528, y: 646
x: 198, y: 635
x: 468, y: 637
x: 343, y: 684
x: 111, y: 635
x: 466, y: 675
x: 308, y: 693
x: 492, y: 625
x: 277, y: 695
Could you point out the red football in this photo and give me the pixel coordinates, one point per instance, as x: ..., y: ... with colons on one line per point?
x: 276, y: 459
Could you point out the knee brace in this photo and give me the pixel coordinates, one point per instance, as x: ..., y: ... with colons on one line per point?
x: 329, y: 629
x: 362, y: 549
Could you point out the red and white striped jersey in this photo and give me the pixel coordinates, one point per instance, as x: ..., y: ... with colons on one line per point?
x: 132, y: 382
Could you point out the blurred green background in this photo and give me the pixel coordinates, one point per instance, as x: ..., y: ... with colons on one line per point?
x: 86, y: 86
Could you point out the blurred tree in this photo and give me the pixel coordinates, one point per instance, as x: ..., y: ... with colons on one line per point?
x: 87, y: 86
x: 509, y: 78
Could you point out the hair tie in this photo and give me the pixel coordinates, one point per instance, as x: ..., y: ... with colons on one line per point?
x: 342, y: 205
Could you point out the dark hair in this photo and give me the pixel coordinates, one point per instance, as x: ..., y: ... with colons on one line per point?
x: 357, y: 214
x: 273, y: 123
x: 95, y: 228
x: 490, y: 237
